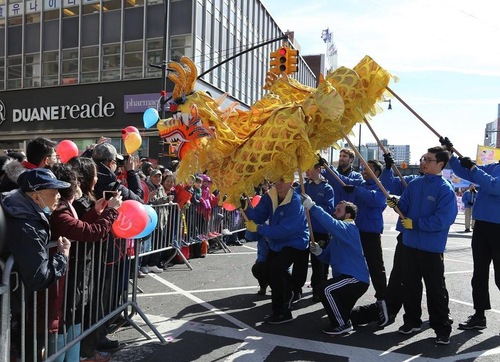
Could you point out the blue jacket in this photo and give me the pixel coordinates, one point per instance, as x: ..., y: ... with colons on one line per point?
x: 344, y: 252
x: 371, y: 203
x: 393, y: 184
x: 488, y: 195
x: 338, y: 191
x: 467, y: 199
x: 430, y: 202
x: 27, y: 236
x: 287, y: 221
x: 322, y: 194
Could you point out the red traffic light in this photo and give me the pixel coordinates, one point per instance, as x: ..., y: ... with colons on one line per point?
x: 282, y: 51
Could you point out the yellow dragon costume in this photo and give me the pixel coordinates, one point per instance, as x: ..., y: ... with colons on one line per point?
x: 282, y: 132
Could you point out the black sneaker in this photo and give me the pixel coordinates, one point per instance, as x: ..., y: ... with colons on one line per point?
x: 443, y: 339
x: 383, y: 315
x: 474, y: 322
x: 408, y: 329
x: 279, y: 318
x: 346, y: 328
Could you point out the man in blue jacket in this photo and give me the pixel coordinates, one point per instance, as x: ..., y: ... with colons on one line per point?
x: 371, y: 204
x: 468, y: 198
x: 430, y: 208
x: 485, y: 245
x: 394, y: 297
x: 288, y: 237
x: 346, y: 158
x: 344, y: 254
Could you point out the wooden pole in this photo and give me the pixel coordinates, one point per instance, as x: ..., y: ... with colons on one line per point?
x: 308, y: 217
x: 377, y: 181
x: 420, y: 118
x: 394, y: 167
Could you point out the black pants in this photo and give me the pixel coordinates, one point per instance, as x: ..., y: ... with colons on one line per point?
x: 260, y: 272
x: 372, y: 248
x: 418, y: 265
x: 339, y: 295
x: 485, y: 249
x: 280, y: 279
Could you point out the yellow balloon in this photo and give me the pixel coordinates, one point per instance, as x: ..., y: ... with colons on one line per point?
x: 132, y: 142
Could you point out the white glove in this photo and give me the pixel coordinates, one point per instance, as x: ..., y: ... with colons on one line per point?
x: 315, y: 248
x: 307, y: 201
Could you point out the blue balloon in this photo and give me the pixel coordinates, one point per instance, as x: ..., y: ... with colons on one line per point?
x: 150, y: 117
x: 151, y: 225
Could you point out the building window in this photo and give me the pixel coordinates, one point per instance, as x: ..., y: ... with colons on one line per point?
x: 132, y: 60
x: 154, y: 56
x: 110, y: 62
x: 14, y: 71
x: 31, y: 70
x: 67, y: 12
x: 181, y: 46
x: 69, y: 73
x: 50, y: 68
x: 90, y: 64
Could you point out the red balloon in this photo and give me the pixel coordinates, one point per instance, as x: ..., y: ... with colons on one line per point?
x: 129, y: 129
x: 228, y: 207
x: 67, y: 150
x: 255, y: 200
x: 132, y: 219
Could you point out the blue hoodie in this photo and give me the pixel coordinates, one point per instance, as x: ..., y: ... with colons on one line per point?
x: 287, y: 221
x: 344, y: 252
x: 488, y: 195
x: 430, y: 202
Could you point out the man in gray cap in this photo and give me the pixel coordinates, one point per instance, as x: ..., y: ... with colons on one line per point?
x: 27, y: 211
x: 105, y: 156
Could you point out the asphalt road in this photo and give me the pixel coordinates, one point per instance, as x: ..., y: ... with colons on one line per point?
x: 212, y: 313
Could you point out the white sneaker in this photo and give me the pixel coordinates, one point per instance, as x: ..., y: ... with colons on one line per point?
x: 154, y: 269
x: 144, y: 269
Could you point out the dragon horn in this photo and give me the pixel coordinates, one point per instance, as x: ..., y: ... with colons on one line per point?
x: 192, y: 74
x: 178, y: 78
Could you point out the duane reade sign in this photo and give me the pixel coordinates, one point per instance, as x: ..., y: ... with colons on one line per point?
x: 98, y: 109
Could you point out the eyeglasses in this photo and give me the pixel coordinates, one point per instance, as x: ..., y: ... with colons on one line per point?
x: 427, y: 160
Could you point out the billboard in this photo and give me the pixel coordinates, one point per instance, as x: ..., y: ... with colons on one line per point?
x: 486, y: 155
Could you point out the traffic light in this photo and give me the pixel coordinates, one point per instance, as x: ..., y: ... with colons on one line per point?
x: 284, y: 60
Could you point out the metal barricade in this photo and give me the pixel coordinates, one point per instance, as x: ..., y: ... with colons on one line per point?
x: 75, y: 311
x: 168, y: 234
x: 182, y: 228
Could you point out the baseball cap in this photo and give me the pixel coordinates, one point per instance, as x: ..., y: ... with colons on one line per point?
x: 105, y: 152
x: 36, y: 179
x: 154, y: 172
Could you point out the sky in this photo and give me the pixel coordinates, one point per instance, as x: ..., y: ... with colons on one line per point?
x: 444, y: 53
